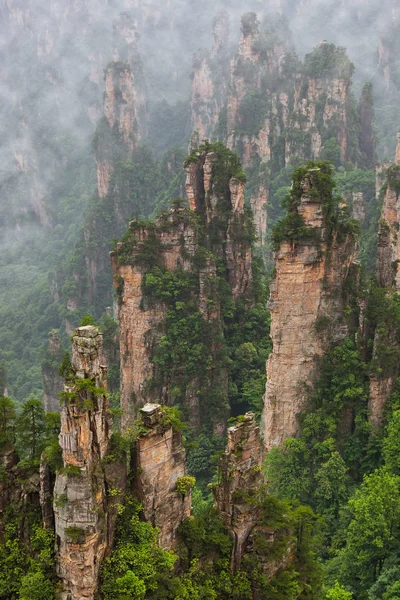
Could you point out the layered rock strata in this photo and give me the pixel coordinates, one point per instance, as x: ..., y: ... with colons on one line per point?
x: 214, y: 227
x: 160, y: 462
x: 306, y: 305
x: 240, y: 480
x: 388, y: 255
x: 278, y: 111
x: 383, y: 382
x: 80, y: 497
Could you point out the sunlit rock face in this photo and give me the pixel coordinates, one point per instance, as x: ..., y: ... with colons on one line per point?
x: 82, y: 519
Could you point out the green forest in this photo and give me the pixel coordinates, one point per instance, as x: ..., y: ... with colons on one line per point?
x: 160, y: 264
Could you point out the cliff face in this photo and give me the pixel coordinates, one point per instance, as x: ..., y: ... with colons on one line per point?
x: 81, y: 513
x: 139, y: 321
x: 209, y: 81
x: 279, y: 111
x: 383, y: 382
x: 159, y: 464
x: 388, y: 243
x: 240, y: 480
x: 183, y: 246
x: 306, y: 306
x: 125, y: 108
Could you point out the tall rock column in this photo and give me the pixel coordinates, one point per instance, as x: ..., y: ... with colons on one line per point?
x: 80, y: 499
x: 383, y: 382
x: 210, y: 80
x: 239, y: 483
x: 202, y: 246
x: 387, y: 267
x: 306, y: 304
x: 160, y: 463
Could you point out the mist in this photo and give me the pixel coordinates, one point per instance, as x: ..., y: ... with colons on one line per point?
x: 53, y: 56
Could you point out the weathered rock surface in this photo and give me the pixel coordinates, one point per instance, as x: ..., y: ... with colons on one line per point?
x: 275, y: 110
x: 80, y: 497
x: 306, y: 296
x: 387, y: 271
x: 220, y: 208
x: 210, y: 80
x: 383, y: 383
x: 160, y: 460
x: 139, y: 323
x: 240, y: 479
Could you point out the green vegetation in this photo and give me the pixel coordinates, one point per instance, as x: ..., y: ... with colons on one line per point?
x: 327, y: 60
x: 184, y: 484
x: 292, y: 228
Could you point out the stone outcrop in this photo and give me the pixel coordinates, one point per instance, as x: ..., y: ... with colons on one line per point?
x: 83, y: 532
x: 306, y: 305
x: 139, y: 322
x: 241, y: 499
x: 213, y: 225
x: 160, y: 462
x: 383, y: 382
x: 52, y: 382
x: 239, y: 483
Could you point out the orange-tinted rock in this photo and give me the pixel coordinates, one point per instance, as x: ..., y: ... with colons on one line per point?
x: 306, y: 291
x: 240, y: 479
x: 214, y: 224
x: 160, y: 460
x: 81, y: 507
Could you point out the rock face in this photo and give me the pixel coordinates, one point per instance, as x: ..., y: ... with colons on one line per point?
x: 278, y: 111
x: 80, y: 500
x: 160, y: 461
x: 139, y: 323
x: 125, y: 108
x: 52, y: 382
x: 306, y: 306
x: 240, y: 479
x: 383, y: 383
x: 210, y: 79
x: 212, y: 227
x: 387, y: 270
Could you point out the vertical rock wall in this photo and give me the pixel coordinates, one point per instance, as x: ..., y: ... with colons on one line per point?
x: 387, y: 271
x: 210, y: 79
x: 240, y: 480
x: 80, y: 498
x: 214, y: 225
x: 138, y: 322
x: 388, y: 276
x: 306, y: 296
x: 160, y: 460
x: 276, y: 110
